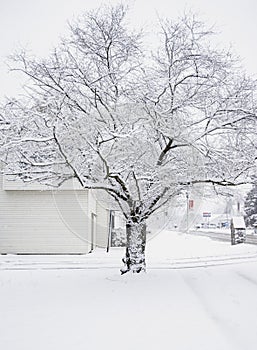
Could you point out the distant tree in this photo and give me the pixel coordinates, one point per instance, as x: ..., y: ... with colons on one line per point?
x: 141, y: 124
x: 251, y: 207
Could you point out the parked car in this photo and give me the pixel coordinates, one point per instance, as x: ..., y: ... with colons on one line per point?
x: 212, y: 226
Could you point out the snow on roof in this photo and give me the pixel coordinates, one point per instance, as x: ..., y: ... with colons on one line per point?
x: 238, y: 222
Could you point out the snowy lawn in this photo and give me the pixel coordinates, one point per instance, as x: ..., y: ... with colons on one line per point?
x: 170, y: 245
x: 56, y: 306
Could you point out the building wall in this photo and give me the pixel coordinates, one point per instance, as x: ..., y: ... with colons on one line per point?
x: 104, y: 204
x: 102, y: 225
x: 31, y: 222
x: 37, y: 220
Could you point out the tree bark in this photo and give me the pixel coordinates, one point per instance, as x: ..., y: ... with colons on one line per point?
x: 134, y: 260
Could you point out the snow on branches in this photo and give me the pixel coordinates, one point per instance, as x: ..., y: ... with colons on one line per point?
x: 139, y: 123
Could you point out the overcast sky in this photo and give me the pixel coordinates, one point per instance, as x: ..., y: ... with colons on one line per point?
x: 37, y: 24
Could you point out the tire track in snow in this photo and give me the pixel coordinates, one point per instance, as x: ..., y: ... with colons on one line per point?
x: 247, y: 278
x: 184, y: 263
x: 224, y: 333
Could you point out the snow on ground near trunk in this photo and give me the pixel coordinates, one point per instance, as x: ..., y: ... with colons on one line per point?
x: 201, y: 308
x: 169, y: 249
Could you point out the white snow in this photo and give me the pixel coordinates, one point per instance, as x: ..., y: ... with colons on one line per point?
x: 82, y: 302
x: 238, y: 222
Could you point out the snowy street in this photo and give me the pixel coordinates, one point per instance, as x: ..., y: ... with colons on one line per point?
x: 72, y: 303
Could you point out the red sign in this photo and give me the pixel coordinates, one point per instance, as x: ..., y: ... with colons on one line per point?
x: 190, y: 204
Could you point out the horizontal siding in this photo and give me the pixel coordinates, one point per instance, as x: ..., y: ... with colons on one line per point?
x: 102, y: 224
x: 44, y: 222
x: 99, y: 207
x: 18, y: 185
x: 92, y: 198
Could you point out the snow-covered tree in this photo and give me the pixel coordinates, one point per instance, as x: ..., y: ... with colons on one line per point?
x: 251, y: 207
x: 141, y: 123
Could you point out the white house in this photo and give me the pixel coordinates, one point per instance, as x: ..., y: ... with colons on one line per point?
x: 38, y: 220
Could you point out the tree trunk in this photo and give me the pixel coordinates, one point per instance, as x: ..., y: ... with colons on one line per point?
x: 134, y: 260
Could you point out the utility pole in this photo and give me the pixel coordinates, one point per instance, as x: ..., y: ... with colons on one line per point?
x: 111, y: 218
x: 187, y: 218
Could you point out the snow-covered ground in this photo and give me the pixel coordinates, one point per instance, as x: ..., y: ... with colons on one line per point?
x: 197, y: 295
